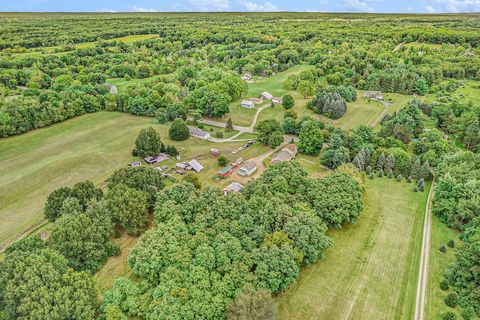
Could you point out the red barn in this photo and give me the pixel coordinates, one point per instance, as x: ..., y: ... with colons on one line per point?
x: 225, y: 172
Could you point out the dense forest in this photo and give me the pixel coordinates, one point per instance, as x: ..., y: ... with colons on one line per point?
x: 197, y: 68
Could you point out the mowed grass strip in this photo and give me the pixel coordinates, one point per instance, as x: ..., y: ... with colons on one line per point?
x: 438, y: 265
x: 371, y: 272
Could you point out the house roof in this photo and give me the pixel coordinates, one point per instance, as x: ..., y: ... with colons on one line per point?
x: 234, y: 186
x: 197, y: 132
x: 196, y: 165
x: 266, y: 95
x: 291, y: 148
x: 247, y: 102
x: 283, y: 156
x: 225, y: 170
x: 249, y: 165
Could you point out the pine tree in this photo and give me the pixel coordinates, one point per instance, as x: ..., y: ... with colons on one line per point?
x: 368, y: 170
x: 415, y: 171
x: 380, y: 173
x: 372, y: 176
x: 359, y: 161
x: 399, y: 178
x: 367, y: 156
x: 229, y: 125
x: 381, y: 162
x: 425, y: 170
x: 390, y: 163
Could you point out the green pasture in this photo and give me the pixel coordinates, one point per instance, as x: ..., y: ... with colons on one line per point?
x: 371, y: 272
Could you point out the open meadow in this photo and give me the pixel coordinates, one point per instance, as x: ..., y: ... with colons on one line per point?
x: 89, y: 147
x: 371, y: 271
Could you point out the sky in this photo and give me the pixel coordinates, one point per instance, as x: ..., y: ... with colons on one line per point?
x: 381, y: 6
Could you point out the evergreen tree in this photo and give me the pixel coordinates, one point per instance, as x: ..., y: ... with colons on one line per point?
x: 229, y: 125
x: 425, y: 170
x: 368, y: 170
x: 415, y: 171
x: 381, y: 162
x: 390, y: 163
x: 399, y: 178
x: 380, y: 173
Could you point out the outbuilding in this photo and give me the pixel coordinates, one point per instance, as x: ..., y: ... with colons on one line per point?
x: 266, y: 96
x: 233, y: 187
x: 225, y: 172
x: 199, y: 133
x: 248, y: 104
x: 373, y: 95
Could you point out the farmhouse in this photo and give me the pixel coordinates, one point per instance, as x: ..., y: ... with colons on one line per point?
x: 288, y: 153
x: 160, y: 158
x: 199, y: 133
x: 225, y: 172
x: 193, y: 165
x: 248, y: 104
x: 266, y: 96
x: 373, y: 94
x: 256, y: 100
x: 277, y: 100
x: 247, y: 169
x: 233, y: 187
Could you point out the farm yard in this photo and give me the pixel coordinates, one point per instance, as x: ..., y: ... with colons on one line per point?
x: 371, y: 271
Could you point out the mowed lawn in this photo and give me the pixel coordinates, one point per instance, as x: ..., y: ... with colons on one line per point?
x: 438, y: 265
x: 34, y: 164
x: 371, y: 272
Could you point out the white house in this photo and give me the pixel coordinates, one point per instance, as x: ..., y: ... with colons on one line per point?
x: 288, y: 153
x: 248, y: 104
x: 373, y: 94
x: 247, y: 169
x: 196, y: 132
x: 266, y: 96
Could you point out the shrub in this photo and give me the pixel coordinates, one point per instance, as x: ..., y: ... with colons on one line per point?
x: 444, y: 285
x: 409, y: 179
x: 422, y: 187
x: 368, y: 170
x: 288, y: 102
x: 449, y: 315
x: 451, y: 299
x: 390, y: 174
x: 222, y: 161
x: 415, y: 189
x: 219, y: 134
x: 178, y: 130
x: 380, y: 173
x: 372, y: 176
x: 451, y: 243
x: 399, y: 178
x: 443, y: 248
x: 468, y: 313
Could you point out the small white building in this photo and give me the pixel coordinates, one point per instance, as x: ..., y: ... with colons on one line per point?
x: 199, y: 133
x: 247, y: 169
x: 248, y: 104
x: 277, y: 100
x: 373, y: 95
x: 266, y: 96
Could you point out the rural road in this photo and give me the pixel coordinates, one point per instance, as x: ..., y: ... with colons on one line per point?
x: 422, y: 284
x: 387, y: 105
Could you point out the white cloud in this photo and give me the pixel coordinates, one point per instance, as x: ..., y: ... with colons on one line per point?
x: 209, y: 5
x: 259, y: 7
x: 107, y: 10
x: 141, y: 9
x: 429, y: 9
x: 455, y: 6
x: 357, y: 5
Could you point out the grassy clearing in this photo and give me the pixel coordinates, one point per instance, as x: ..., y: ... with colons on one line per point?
x: 86, y: 45
x: 372, y: 270
x: 87, y: 147
x: 122, y: 84
x: 470, y: 91
x: 438, y: 265
x: 242, y: 116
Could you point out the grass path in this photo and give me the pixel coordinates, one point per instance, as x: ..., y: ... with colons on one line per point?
x: 371, y: 271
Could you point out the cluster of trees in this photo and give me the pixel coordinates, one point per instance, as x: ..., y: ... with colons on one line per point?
x: 330, y: 102
x: 270, y: 132
x: 404, y: 124
x: 456, y: 203
x: 60, y: 264
x: 149, y: 143
x: 210, y: 255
